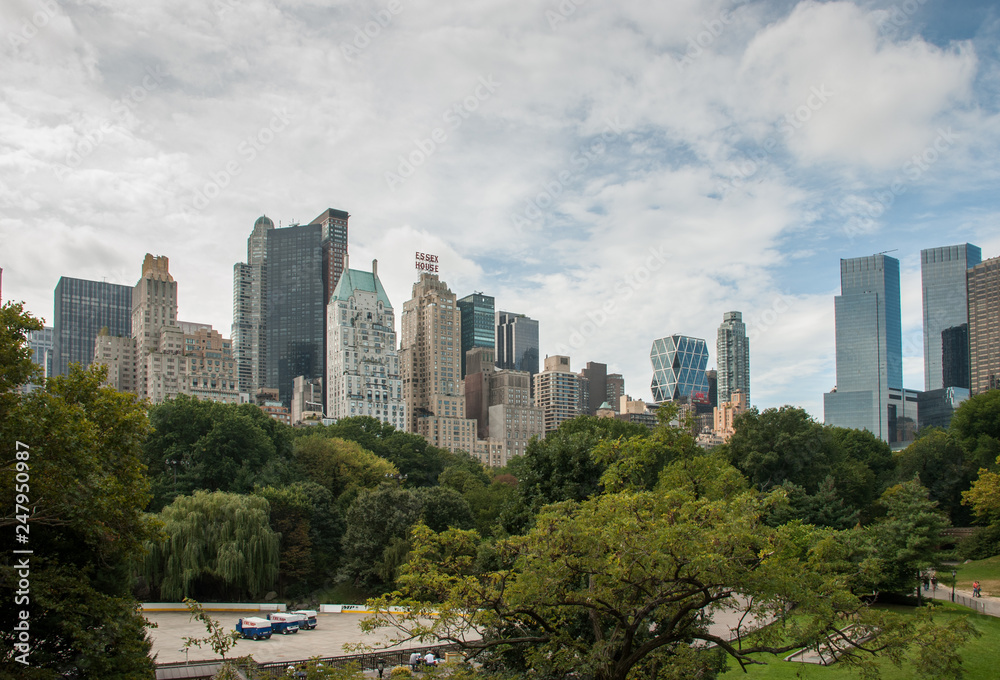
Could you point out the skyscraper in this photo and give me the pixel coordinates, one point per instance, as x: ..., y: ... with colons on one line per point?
x: 517, y: 342
x: 249, y: 309
x: 334, y: 244
x: 679, y: 364
x: 431, y: 367
x: 596, y: 380
x: 557, y: 392
x: 946, y: 306
x: 40, y: 344
x: 984, y: 325
x: 296, y: 313
x: 478, y: 323
x: 82, y: 309
x: 869, y: 393
x: 363, y: 365
x: 733, y: 353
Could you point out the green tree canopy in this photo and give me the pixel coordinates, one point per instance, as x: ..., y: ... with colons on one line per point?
x: 215, y: 545
x: 77, y: 476
x: 378, y: 524
x: 938, y: 459
x: 342, y: 466
x: 976, y: 424
x: 443, y: 508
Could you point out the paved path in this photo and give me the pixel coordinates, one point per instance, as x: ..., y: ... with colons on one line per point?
x: 984, y: 605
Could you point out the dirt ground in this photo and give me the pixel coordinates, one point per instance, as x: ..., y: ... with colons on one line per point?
x: 327, y: 639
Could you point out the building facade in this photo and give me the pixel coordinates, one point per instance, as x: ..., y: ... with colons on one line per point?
x: 333, y: 242
x: 40, y: 344
x: 557, y: 392
x: 984, y: 326
x: 517, y: 342
x: 431, y: 367
x: 946, y: 311
x: 249, y: 309
x: 295, y: 310
x: 81, y: 309
x: 733, y: 354
x: 679, y: 364
x: 363, y: 366
x: 478, y: 324
x: 869, y: 392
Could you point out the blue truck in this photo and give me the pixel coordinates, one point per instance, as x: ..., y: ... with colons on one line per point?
x: 254, y: 628
x: 284, y: 623
x: 308, y: 621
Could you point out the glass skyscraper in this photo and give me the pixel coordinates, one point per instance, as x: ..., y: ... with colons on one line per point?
x: 946, y: 311
x: 82, y: 308
x: 733, y: 352
x: 517, y: 342
x: 679, y: 364
x: 296, y: 315
x: 250, y: 310
x: 869, y: 391
x: 478, y: 323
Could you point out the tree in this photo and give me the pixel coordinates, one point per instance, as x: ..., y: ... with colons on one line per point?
x: 342, y: 466
x: 938, y: 459
x: 290, y: 518
x: 444, y: 508
x: 70, y: 455
x: 378, y: 524
x: 625, y: 583
x: 976, y: 424
x: 984, y: 495
x: 214, y: 544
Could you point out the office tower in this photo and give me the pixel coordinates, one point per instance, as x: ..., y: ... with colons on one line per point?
x: 307, y: 402
x: 154, y: 305
x: 679, y: 364
x: 713, y: 387
x: 40, y: 344
x: 249, y: 309
x: 946, y: 307
x: 517, y: 342
x: 480, y: 363
x: 616, y: 389
x: 596, y: 376
x: 733, y: 354
x: 334, y: 245
x: 363, y: 365
x: 869, y: 394
x: 431, y: 367
x: 955, y: 357
x: 295, y: 311
x: 556, y: 392
x: 936, y: 407
x: 513, y: 419
x: 984, y: 325
x: 478, y: 323
x: 82, y: 308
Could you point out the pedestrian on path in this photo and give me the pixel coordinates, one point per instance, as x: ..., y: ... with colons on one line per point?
x: 976, y: 589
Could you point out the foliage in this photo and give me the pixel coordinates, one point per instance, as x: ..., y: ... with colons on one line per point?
x: 443, y: 508
x: 216, y: 636
x: 83, y: 492
x: 937, y: 458
x: 984, y: 495
x: 214, y: 544
x: 290, y: 514
x: 376, y: 519
x: 612, y: 585
x: 976, y: 424
x: 206, y: 445
x: 344, y: 467
x: 982, y: 544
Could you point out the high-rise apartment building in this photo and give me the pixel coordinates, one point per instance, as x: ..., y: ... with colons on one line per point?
x: 154, y: 305
x: 249, y: 309
x: 431, y: 367
x: 616, y: 390
x: 869, y: 394
x: 595, y: 377
x: 679, y: 364
x: 82, y: 308
x: 984, y: 325
x: 557, y: 392
x: 946, y: 308
x: 478, y: 323
x: 513, y: 418
x: 733, y: 354
x: 334, y: 245
x: 517, y: 342
x: 363, y: 370
x: 295, y: 310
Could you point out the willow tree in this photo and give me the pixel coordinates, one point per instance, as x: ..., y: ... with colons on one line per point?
x: 214, y: 544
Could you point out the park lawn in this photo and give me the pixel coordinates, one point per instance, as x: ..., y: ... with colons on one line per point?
x: 980, y: 658
x: 987, y: 572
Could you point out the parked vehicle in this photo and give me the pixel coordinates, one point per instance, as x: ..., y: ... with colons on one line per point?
x: 254, y: 628
x: 309, y: 618
x: 284, y: 622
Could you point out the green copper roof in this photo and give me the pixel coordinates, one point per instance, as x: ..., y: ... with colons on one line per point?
x: 353, y: 279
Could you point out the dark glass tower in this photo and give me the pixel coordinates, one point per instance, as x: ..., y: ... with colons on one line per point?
x: 82, y: 309
x: 946, y: 305
x: 334, y: 244
x: 517, y: 342
x: 478, y: 318
x: 296, y: 314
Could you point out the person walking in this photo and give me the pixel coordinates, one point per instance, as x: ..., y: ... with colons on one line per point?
x: 976, y: 589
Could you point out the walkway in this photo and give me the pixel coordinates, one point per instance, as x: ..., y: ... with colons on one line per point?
x: 984, y: 605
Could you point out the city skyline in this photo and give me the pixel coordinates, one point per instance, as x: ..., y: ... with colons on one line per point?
x: 731, y: 168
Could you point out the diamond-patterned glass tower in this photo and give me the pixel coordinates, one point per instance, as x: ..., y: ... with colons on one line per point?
x: 679, y: 364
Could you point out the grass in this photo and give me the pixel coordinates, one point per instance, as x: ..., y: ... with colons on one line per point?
x: 980, y: 658
x: 987, y: 572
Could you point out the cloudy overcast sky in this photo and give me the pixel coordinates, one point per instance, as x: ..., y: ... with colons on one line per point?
x: 619, y: 171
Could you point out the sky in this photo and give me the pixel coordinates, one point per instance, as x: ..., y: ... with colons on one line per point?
x: 619, y: 171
